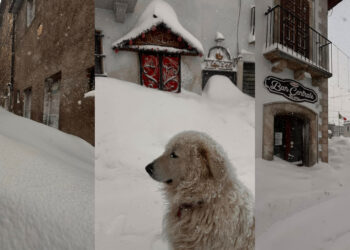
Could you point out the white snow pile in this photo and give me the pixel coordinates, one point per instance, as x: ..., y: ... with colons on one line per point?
x: 134, y: 123
x: 157, y: 12
x: 304, y: 208
x: 46, y: 187
x: 89, y: 94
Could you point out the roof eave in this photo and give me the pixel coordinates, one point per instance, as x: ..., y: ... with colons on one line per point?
x: 168, y: 50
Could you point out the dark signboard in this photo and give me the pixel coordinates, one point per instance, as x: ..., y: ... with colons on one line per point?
x: 290, y: 89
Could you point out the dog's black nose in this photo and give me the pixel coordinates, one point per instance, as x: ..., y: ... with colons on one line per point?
x: 149, y: 169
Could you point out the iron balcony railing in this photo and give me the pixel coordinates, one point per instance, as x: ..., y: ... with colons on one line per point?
x: 290, y: 32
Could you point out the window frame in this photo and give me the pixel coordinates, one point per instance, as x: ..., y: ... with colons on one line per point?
x: 30, y: 12
x: 99, y: 53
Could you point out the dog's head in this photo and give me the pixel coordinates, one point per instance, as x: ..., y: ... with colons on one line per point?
x: 189, y: 158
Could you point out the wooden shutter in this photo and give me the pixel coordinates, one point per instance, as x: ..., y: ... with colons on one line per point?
x: 150, y: 71
x: 171, y: 73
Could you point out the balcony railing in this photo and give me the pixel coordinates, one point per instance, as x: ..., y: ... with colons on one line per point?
x: 291, y: 35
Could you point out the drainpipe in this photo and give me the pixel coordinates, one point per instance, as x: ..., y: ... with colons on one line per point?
x: 13, y: 36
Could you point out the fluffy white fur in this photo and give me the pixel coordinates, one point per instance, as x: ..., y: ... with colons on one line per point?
x: 209, y: 208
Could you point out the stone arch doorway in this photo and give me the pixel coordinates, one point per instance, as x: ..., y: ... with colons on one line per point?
x: 290, y: 132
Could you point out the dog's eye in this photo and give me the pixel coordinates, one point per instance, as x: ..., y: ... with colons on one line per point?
x: 173, y: 155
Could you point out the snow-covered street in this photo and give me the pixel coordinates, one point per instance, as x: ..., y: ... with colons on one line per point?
x: 133, y: 125
x: 46, y: 187
x: 304, y: 208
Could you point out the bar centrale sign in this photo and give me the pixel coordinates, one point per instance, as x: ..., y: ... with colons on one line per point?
x: 290, y: 89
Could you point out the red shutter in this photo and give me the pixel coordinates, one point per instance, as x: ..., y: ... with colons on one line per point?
x: 150, y: 70
x: 171, y: 73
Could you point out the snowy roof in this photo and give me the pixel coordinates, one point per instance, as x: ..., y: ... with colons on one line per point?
x: 159, y: 12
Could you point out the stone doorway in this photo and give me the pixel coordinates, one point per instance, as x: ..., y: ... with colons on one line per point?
x: 291, y: 138
x: 290, y: 132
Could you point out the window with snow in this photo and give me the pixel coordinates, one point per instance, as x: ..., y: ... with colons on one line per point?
x: 18, y: 96
x: 252, y: 25
x: 98, y: 53
x: 30, y: 11
x: 27, y: 103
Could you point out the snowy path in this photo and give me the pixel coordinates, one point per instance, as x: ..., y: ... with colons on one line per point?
x: 304, y: 208
x: 46, y: 187
x: 138, y: 123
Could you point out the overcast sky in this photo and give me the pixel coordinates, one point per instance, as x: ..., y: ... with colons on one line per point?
x: 339, y: 84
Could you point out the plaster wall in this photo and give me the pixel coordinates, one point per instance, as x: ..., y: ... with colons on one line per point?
x: 202, y: 18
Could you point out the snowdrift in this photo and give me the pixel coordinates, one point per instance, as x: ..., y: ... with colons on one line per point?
x: 46, y: 187
x: 304, y: 208
x: 134, y: 124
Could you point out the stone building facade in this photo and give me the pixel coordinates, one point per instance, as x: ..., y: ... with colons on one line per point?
x: 5, y: 53
x: 293, y: 55
x: 53, y: 63
x: 201, y: 18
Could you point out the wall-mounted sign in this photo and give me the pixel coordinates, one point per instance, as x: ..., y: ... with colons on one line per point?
x: 290, y: 89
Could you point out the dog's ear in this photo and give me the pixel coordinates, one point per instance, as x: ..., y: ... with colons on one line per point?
x: 213, y: 160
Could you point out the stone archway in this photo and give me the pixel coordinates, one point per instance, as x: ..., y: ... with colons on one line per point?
x: 283, y: 108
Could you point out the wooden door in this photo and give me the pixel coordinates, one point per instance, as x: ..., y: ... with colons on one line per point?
x: 289, y: 138
x: 150, y: 70
x: 295, y: 15
x: 170, y: 73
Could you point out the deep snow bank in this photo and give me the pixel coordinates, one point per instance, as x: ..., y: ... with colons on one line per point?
x: 134, y: 124
x: 46, y: 187
x: 304, y: 208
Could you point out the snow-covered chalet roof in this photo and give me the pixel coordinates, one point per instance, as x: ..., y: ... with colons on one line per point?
x: 159, y: 12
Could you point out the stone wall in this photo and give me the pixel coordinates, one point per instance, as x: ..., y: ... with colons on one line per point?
x: 59, y: 39
x: 5, y: 51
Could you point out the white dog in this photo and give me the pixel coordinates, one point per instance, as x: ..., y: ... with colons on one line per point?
x: 209, y: 208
